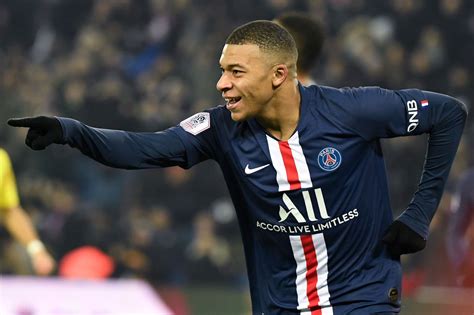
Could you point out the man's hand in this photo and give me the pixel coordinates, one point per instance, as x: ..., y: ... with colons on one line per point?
x: 43, y: 263
x: 400, y: 239
x: 43, y: 130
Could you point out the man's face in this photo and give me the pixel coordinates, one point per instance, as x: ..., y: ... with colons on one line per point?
x: 246, y: 80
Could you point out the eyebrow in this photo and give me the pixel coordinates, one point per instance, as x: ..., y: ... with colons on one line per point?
x: 233, y: 65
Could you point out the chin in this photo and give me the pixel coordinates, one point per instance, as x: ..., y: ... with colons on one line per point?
x: 238, y: 117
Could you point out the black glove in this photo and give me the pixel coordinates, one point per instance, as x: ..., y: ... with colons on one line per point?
x: 43, y: 131
x: 400, y: 239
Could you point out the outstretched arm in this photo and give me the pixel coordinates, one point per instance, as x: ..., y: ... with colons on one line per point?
x: 116, y: 148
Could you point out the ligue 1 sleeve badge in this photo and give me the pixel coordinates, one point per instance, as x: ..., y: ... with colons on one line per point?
x: 329, y: 159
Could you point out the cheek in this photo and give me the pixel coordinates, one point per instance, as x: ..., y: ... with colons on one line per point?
x: 260, y: 86
x: 257, y: 91
x: 264, y: 91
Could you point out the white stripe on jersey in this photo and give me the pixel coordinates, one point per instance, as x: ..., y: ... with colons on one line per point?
x: 322, y: 257
x: 278, y: 164
x: 300, y: 161
x: 322, y: 311
x: 327, y: 310
x: 301, y: 284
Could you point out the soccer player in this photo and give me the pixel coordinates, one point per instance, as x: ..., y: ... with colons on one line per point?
x: 304, y: 169
x: 309, y: 37
x: 17, y: 221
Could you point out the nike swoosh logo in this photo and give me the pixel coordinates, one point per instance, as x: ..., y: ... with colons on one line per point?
x: 249, y: 170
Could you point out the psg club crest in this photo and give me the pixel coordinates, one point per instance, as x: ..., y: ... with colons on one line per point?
x: 329, y: 159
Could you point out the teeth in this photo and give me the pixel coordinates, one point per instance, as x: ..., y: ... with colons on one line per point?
x: 231, y: 100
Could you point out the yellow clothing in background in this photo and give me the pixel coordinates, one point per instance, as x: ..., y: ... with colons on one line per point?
x: 8, y: 192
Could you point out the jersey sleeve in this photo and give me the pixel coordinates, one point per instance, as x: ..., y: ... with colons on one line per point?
x: 374, y: 112
x: 199, y: 136
x: 8, y: 191
x: 183, y: 145
x: 379, y: 113
x: 123, y: 149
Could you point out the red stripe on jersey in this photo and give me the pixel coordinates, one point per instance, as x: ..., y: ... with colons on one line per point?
x: 311, y: 272
x: 290, y: 165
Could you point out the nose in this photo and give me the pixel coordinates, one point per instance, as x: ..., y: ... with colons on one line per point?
x: 224, y: 83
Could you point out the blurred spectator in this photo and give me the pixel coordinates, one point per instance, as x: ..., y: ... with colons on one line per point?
x: 460, y: 240
x: 208, y: 255
x: 151, y: 247
x: 17, y: 221
x: 308, y: 34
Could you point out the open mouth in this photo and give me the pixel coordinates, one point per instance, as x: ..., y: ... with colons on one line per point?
x: 231, y: 102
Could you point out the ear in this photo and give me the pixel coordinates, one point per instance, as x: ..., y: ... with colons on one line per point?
x: 280, y: 73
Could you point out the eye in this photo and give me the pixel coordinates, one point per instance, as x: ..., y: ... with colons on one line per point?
x: 237, y: 72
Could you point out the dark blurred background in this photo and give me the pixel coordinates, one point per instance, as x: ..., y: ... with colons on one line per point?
x: 145, y: 65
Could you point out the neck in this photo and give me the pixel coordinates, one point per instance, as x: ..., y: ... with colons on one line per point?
x: 305, y: 79
x: 282, y: 114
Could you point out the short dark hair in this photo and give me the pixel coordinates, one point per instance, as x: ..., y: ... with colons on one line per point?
x: 267, y: 35
x: 308, y: 34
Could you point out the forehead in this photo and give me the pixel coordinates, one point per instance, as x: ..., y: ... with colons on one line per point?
x: 243, y: 55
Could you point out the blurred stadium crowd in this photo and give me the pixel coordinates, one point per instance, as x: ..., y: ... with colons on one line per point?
x: 145, y: 65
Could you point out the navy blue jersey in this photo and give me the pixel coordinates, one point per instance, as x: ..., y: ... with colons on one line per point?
x: 312, y: 210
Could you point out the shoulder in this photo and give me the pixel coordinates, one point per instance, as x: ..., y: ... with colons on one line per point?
x: 334, y: 100
x: 340, y: 95
x: 358, y: 101
x: 208, y: 119
x: 350, y: 93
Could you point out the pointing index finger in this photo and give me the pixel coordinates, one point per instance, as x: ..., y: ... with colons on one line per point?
x: 21, y: 122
